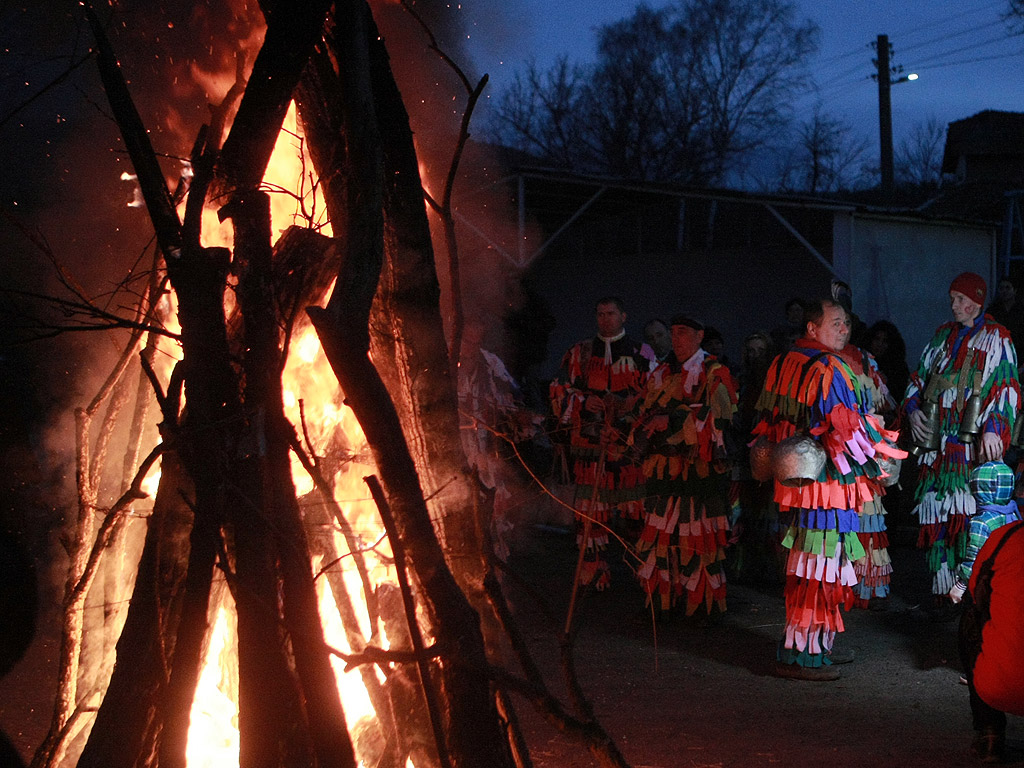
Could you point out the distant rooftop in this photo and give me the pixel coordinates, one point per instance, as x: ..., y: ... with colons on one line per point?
x: 988, y: 133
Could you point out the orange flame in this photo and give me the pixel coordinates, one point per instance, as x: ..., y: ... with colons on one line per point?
x: 312, y: 401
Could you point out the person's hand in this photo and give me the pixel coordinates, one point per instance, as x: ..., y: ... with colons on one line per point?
x: 991, y: 447
x: 919, y: 428
x: 956, y: 594
x: 594, y: 404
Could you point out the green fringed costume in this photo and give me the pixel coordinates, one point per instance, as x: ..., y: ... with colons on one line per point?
x: 951, y: 359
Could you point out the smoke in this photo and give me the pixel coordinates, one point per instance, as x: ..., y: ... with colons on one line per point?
x: 63, y: 196
x: 488, y: 239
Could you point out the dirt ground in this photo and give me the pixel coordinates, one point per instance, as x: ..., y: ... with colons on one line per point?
x: 698, y: 694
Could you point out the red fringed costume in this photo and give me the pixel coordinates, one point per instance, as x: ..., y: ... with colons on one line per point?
x: 682, y: 417
x: 594, y: 393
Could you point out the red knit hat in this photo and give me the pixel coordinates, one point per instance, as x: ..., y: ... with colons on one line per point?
x: 970, y: 285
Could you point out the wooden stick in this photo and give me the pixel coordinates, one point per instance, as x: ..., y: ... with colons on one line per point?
x: 587, y: 524
x: 433, y: 708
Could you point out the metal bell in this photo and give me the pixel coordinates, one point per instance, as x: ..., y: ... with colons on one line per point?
x: 892, y: 469
x: 798, y: 460
x: 932, y: 416
x: 969, y: 427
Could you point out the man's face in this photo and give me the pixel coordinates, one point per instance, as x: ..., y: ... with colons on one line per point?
x: 794, y: 314
x: 1005, y: 291
x: 848, y: 332
x: 657, y: 336
x: 834, y: 330
x: 610, y: 319
x: 685, y: 341
x: 965, y: 310
x: 714, y: 347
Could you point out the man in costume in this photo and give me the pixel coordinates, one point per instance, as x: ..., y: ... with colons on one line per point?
x: 961, y: 403
x: 686, y: 407
x: 593, y: 397
x: 810, y: 391
x: 874, y: 570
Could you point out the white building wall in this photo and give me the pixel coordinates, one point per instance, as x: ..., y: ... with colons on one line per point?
x: 900, y: 270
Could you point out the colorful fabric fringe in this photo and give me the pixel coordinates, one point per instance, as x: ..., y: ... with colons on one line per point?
x: 874, y: 570
x: 681, y: 419
x: 591, y: 397
x: 944, y: 503
x: 814, y: 391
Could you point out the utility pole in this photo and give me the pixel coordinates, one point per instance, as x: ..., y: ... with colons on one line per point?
x: 884, y: 114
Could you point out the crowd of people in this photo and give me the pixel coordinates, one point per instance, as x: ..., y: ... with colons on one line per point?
x: 777, y: 469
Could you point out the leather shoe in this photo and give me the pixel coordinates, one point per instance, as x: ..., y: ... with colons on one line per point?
x: 812, y: 674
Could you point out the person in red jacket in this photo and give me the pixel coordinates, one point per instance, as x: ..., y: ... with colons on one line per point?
x: 992, y: 638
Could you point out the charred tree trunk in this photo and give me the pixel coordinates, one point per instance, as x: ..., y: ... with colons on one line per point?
x: 406, y: 332
x: 125, y: 731
x: 271, y: 718
x: 272, y: 528
x: 206, y: 445
x: 349, y: 160
x: 411, y: 341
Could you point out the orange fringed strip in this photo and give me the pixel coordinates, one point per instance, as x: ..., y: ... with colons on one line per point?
x: 705, y: 592
x: 844, y: 424
x: 830, y: 494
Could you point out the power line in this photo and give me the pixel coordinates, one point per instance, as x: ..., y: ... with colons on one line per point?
x: 972, y: 47
x: 912, y: 30
x: 971, y: 61
x: 951, y: 35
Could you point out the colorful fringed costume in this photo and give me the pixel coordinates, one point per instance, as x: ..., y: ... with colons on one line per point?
x: 758, y: 556
x: 950, y: 361
x: 682, y: 417
x: 607, y: 479
x: 811, y: 390
x: 874, y: 570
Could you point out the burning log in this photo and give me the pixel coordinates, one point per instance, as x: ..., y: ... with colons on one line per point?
x: 352, y: 101
x: 233, y: 440
x: 276, y: 509
x: 127, y: 724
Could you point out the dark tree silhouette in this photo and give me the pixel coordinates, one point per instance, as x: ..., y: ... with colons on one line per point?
x: 677, y: 94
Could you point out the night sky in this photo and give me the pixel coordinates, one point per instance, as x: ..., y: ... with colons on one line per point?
x: 963, y: 51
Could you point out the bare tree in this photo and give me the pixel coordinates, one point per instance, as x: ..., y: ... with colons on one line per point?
x: 827, y: 156
x: 919, y: 154
x: 1014, y: 16
x: 543, y: 112
x: 677, y: 94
